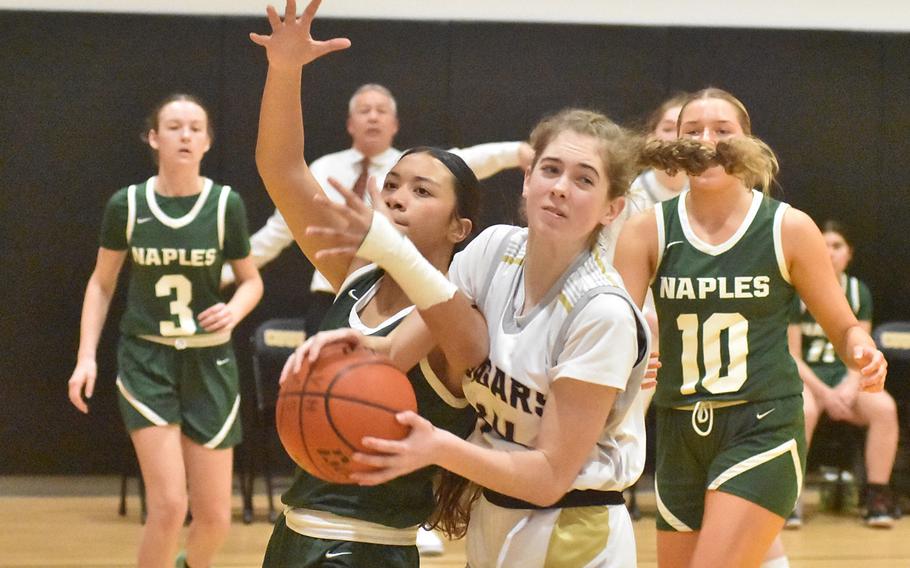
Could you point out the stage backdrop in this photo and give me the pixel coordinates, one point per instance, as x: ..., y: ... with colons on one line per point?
x: 77, y: 87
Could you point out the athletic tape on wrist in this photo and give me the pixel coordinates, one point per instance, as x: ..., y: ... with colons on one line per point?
x: 394, y: 252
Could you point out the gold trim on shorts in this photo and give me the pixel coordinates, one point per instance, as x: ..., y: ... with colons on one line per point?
x: 190, y: 341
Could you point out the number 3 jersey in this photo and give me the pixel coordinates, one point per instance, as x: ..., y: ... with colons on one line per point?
x: 723, y: 309
x: 177, y: 246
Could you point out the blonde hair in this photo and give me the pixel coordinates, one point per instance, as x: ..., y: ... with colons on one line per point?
x: 745, y: 157
x: 618, y: 151
x: 742, y: 115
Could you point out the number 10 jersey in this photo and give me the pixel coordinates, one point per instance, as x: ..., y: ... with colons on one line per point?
x: 723, y: 309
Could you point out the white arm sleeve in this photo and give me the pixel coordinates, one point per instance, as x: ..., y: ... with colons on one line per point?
x: 489, y: 159
x: 419, y: 279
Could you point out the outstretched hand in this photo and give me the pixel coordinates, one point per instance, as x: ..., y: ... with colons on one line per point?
x: 356, y: 216
x: 290, y: 45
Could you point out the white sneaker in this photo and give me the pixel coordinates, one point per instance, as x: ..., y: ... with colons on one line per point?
x: 429, y: 543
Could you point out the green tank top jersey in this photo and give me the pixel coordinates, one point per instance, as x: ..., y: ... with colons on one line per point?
x: 177, y: 246
x: 818, y: 352
x: 723, y: 309
x: 402, y: 502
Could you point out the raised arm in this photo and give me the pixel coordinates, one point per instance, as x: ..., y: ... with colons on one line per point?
x: 280, y: 144
x: 456, y: 326
x: 813, y: 276
x: 491, y: 158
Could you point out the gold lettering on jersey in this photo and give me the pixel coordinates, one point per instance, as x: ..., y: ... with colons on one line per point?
x: 725, y: 288
x: 152, y: 257
x: 173, y: 256
x: 511, y: 392
x: 168, y: 255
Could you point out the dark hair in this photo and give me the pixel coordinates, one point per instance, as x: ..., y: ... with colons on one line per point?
x: 832, y: 226
x: 454, y: 496
x: 467, y: 187
x: 151, y: 120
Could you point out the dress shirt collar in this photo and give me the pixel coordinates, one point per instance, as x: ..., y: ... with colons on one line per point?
x: 383, y: 160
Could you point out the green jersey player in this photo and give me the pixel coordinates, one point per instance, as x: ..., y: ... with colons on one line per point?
x: 177, y: 374
x: 834, y: 389
x: 725, y: 262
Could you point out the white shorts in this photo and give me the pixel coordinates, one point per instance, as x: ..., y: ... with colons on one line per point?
x: 576, y: 537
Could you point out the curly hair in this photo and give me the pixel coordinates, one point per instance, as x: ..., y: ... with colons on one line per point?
x: 746, y: 157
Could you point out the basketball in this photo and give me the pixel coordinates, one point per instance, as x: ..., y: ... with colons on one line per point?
x: 325, y: 410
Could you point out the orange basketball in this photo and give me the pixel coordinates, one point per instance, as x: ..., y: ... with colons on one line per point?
x: 326, y: 409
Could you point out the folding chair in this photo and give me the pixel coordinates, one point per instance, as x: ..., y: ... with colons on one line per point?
x: 893, y: 338
x: 273, y: 342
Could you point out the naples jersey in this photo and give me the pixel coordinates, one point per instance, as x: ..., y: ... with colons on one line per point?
x: 177, y: 246
x: 408, y: 500
x: 817, y: 350
x: 584, y: 328
x: 723, y: 309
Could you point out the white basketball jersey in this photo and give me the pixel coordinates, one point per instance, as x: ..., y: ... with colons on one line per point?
x: 585, y: 328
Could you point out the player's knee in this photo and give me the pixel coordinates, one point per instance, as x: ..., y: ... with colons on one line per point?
x: 168, y: 510
x: 883, y: 408
x: 215, y: 518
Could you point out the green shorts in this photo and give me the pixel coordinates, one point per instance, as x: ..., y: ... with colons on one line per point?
x: 290, y: 549
x: 755, y: 451
x: 197, y: 388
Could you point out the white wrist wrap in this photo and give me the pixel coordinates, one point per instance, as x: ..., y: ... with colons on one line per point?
x: 394, y: 252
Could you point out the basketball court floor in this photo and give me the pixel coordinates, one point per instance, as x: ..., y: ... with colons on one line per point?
x: 64, y: 522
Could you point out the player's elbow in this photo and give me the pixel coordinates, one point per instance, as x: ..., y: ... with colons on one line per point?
x: 267, y: 166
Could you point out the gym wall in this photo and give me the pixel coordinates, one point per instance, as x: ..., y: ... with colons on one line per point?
x: 77, y: 87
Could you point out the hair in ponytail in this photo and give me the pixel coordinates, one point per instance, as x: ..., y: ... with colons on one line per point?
x: 746, y: 157
x: 454, y: 497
